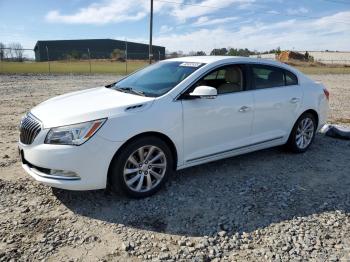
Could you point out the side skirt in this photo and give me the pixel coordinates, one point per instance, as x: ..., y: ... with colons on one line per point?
x: 233, y: 152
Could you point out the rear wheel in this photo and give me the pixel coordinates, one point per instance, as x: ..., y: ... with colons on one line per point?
x: 303, y: 133
x: 142, y: 167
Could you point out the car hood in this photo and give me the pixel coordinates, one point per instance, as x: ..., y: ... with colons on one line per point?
x: 87, y: 105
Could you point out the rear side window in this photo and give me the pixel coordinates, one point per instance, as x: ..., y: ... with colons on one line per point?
x: 291, y: 79
x: 265, y: 76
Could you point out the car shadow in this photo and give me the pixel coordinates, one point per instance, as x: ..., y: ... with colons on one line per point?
x: 239, y: 194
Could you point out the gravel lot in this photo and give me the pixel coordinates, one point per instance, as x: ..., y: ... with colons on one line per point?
x: 263, y: 206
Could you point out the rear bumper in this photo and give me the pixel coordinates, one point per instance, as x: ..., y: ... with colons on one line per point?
x: 323, y: 113
x: 89, y: 162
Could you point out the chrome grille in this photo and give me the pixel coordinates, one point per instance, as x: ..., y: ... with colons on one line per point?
x: 29, y: 129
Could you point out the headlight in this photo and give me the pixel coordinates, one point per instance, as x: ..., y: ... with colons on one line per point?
x: 73, y: 134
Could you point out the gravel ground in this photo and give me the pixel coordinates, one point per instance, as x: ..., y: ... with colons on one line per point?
x: 264, y: 206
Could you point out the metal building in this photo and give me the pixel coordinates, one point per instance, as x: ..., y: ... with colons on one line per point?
x: 93, y: 48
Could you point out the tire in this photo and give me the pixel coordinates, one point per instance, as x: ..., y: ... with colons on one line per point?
x: 137, y: 177
x: 303, y: 133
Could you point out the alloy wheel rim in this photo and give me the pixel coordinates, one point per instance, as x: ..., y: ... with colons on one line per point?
x: 304, y: 133
x: 145, y: 168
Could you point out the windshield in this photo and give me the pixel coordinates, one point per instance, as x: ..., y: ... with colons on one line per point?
x: 157, y: 79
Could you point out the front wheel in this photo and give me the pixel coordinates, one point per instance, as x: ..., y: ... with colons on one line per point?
x: 303, y: 133
x: 142, y: 167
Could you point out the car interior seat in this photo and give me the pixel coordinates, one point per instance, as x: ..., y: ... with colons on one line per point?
x: 233, y: 79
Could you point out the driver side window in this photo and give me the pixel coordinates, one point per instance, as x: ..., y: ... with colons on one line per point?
x: 227, y: 79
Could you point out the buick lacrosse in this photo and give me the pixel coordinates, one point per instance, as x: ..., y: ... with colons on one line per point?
x: 177, y: 113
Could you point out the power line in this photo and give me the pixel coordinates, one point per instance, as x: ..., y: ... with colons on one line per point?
x: 261, y: 12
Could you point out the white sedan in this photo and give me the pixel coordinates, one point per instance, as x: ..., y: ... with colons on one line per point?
x: 174, y: 114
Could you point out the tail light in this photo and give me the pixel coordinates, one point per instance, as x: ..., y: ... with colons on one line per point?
x: 326, y: 93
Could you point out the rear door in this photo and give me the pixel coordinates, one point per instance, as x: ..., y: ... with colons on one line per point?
x: 277, y: 99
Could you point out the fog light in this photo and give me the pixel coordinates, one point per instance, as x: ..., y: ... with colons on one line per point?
x: 63, y: 173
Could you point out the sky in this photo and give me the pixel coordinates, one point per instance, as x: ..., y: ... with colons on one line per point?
x: 187, y: 25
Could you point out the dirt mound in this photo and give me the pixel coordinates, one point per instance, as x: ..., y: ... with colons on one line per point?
x: 285, y: 56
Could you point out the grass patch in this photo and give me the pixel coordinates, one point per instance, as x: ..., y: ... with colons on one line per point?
x: 317, y: 68
x: 119, y: 68
x: 323, y: 70
x: 106, y: 67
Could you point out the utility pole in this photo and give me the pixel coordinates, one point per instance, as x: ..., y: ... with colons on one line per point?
x: 150, y: 54
x: 126, y: 56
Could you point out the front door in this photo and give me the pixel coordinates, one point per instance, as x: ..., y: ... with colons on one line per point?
x: 215, y: 126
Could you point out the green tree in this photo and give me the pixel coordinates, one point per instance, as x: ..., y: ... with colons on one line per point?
x: 16, y: 51
x: 200, y: 53
x: 307, y: 56
x: 219, y: 51
x: 278, y: 51
x: 2, y: 51
x: 196, y: 53
x: 173, y: 55
x: 241, y: 52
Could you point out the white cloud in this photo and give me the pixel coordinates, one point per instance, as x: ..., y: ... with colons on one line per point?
x: 298, y: 11
x: 273, y: 12
x: 109, y: 11
x: 288, y: 34
x: 165, y: 29
x: 297, y: 33
x: 116, y: 11
x: 184, y: 12
x: 206, y: 21
x: 112, y: 11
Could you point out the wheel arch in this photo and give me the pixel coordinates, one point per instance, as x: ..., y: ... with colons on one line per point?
x: 159, y: 135
x: 311, y: 111
x: 290, y: 144
x: 314, y: 113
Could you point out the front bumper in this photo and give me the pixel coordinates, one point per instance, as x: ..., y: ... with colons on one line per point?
x: 89, y: 162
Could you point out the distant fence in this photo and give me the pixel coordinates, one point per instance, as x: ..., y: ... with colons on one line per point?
x: 84, y: 60
x: 89, y: 61
x: 55, y: 54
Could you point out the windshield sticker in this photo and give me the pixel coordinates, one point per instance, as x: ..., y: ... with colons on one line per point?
x: 191, y: 64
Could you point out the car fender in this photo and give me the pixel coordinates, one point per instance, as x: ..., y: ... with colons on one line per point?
x: 164, y: 116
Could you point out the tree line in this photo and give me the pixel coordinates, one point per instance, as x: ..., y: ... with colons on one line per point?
x: 226, y: 51
x: 11, y: 52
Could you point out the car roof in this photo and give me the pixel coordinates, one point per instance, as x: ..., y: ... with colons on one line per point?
x: 201, y: 59
x: 233, y: 59
x: 211, y: 59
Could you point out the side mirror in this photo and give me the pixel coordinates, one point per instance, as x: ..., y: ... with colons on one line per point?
x: 204, y: 92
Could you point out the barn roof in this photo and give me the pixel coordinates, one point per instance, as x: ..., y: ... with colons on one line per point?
x: 87, y: 41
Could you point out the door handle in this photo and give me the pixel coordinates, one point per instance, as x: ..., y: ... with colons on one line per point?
x: 244, y: 109
x: 294, y: 100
